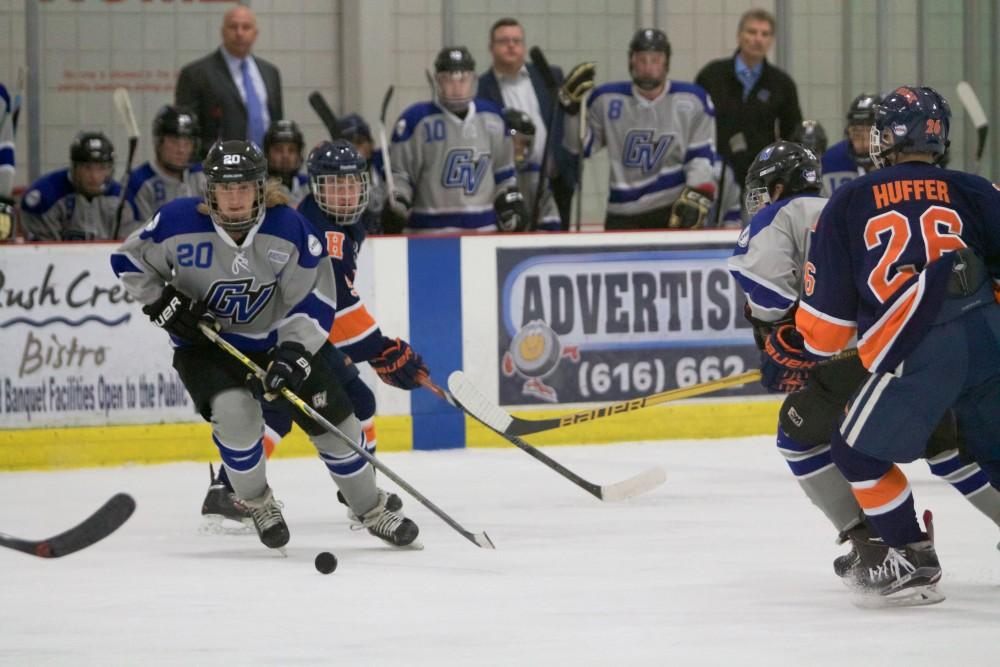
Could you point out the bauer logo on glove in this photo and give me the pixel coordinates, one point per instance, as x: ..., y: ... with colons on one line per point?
x: 399, y: 366
x: 784, y: 363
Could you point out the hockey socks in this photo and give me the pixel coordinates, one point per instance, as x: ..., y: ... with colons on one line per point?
x: 822, y: 482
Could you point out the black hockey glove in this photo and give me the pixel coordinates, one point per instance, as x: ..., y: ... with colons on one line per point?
x: 575, y: 87
x: 175, y: 312
x: 289, y: 367
x: 690, y: 209
x: 784, y: 363
x: 512, y: 215
x: 395, y: 214
x: 8, y: 218
x: 399, y: 366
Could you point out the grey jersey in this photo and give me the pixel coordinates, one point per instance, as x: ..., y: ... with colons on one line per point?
x: 451, y: 169
x: 150, y: 187
x: 655, y: 147
x: 527, y: 183
x: 771, y: 253
x: 276, y: 287
x: 52, y: 210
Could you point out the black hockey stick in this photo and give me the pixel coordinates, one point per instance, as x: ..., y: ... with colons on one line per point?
x: 124, y: 105
x: 465, y: 395
x: 479, y: 539
x: 94, y: 528
x: 326, y: 115
x: 539, y: 60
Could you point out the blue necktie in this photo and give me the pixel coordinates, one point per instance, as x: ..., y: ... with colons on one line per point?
x: 255, y: 113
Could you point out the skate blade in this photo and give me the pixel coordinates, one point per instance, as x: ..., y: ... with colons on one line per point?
x: 216, y: 524
x: 917, y: 596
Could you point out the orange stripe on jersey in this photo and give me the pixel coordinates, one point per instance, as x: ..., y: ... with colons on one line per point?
x: 822, y: 334
x: 877, y: 340
x: 369, y: 429
x: 884, y: 494
x: 348, y: 326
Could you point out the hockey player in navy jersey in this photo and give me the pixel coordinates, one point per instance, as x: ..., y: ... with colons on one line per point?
x: 79, y: 203
x: 258, y: 269
x: 660, y: 136
x: 783, y: 194
x: 847, y: 159
x: 898, y: 258
x: 171, y: 174
x: 284, y: 148
x: 452, y: 163
x: 521, y: 130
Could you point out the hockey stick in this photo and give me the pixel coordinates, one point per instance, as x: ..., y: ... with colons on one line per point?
x: 539, y: 60
x: 978, y: 117
x: 473, y: 403
x: 106, y: 520
x: 124, y: 106
x: 579, y: 173
x: 322, y: 109
x: 479, y: 539
x: 386, y: 162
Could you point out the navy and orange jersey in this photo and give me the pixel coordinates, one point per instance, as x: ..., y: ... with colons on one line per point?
x: 872, y: 243
x: 354, y: 329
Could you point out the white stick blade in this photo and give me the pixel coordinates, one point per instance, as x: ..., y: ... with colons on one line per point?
x: 971, y: 103
x: 476, y: 404
x: 635, y: 486
x: 123, y: 104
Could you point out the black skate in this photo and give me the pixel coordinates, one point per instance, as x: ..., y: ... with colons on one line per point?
x: 867, y: 551
x: 265, y: 512
x: 907, y: 577
x: 220, y: 503
x: 393, y: 503
x: 388, y: 525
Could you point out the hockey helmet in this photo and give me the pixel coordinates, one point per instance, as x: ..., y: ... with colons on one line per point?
x: 910, y: 119
x: 648, y: 39
x: 861, y: 116
x: 354, y: 128
x: 173, y: 121
x: 339, y: 180
x: 455, y: 76
x: 521, y: 129
x: 792, y: 165
x: 810, y: 133
x: 91, y: 147
x: 284, y: 165
x: 229, y: 166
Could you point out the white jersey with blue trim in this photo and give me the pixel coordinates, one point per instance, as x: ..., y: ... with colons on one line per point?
x: 52, y: 210
x: 771, y: 253
x: 276, y: 286
x: 838, y: 167
x: 150, y: 187
x: 527, y: 183
x: 451, y: 169
x: 655, y: 147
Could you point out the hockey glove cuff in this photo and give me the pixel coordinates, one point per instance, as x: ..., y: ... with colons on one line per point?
x: 399, y: 366
x: 576, y: 86
x: 691, y: 208
x: 512, y: 215
x: 175, y: 312
x: 289, y: 367
x: 784, y: 363
x: 395, y: 214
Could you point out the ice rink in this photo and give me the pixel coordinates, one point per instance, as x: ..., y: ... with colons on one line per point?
x: 727, y: 563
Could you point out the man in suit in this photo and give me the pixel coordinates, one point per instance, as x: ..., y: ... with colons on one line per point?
x: 513, y: 83
x: 236, y: 95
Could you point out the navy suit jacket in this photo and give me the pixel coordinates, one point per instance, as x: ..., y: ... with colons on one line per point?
x: 565, y: 163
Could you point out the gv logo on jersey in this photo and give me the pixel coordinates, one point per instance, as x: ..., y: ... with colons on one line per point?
x: 641, y: 151
x: 462, y: 170
x: 236, y: 300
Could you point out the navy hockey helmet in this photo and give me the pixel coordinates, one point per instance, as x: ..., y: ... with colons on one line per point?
x: 792, y: 165
x: 339, y: 180
x: 354, y: 128
x: 173, y: 121
x: 910, y: 119
x: 860, y: 118
x: 648, y: 39
x: 519, y: 127
x: 91, y: 147
x: 230, y: 166
x: 455, y: 76
x: 810, y: 133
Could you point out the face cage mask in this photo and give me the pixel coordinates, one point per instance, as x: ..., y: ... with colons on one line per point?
x: 242, y: 225
x: 875, y: 147
x: 456, y: 104
x: 341, y: 186
x: 756, y: 199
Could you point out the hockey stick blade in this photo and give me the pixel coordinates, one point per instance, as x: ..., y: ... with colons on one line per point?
x: 326, y: 115
x: 539, y: 60
x: 123, y: 103
x: 974, y: 108
x: 106, y: 520
x: 385, y: 103
x: 473, y: 403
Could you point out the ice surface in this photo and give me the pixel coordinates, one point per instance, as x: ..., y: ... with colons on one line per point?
x: 726, y: 563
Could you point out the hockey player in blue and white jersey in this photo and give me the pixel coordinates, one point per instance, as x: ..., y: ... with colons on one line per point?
x: 660, y: 136
x: 79, y: 203
x: 521, y: 129
x: 171, y: 174
x: 847, y: 159
x: 257, y: 268
x: 284, y: 148
x: 452, y: 162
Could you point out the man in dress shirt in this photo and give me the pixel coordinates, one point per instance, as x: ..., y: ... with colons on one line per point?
x: 235, y: 94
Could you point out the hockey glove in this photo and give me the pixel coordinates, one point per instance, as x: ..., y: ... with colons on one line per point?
x: 395, y: 214
x: 7, y: 217
x: 175, y: 312
x: 512, y: 215
x: 575, y: 87
x: 690, y: 209
x: 784, y: 363
x: 289, y: 367
x: 399, y: 366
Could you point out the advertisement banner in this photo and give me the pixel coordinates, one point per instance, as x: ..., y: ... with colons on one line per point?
x: 77, y: 350
x: 589, y: 324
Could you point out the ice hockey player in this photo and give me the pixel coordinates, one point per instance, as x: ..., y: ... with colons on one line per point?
x: 354, y: 128
x: 782, y: 191
x: 79, y: 203
x: 847, y: 159
x: 257, y: 268
x: 452, y: 163
x: 812, y: 135
x: 660, y: 136
x: 171, y: 174
x: 284, y: 147
x: 897, y: 258
x: 339, y: 185
x: 521, y: 130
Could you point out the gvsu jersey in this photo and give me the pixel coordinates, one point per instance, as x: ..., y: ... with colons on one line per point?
x: 838, y: 167
x: 451, y: 169
x: 872, y: 262
x: 298, y: 191
x: 354, y: 330
x: 276, y: 287
x: 655, y: 147
x: 150, y: 187
x: 52, y: 210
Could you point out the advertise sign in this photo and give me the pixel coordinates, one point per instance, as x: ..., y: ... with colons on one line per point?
x: 594, y: 324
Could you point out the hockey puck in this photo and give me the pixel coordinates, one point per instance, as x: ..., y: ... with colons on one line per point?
x: 326, y: 562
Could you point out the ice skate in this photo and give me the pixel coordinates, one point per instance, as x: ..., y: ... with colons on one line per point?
x: 393, y: 503
x: 389, y: 525
x: 867, y: 551
x: 907, y: 577
x: 220, y: 505
x: 265, y: 512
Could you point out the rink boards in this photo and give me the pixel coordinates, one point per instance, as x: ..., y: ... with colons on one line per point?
x: 543, y: 324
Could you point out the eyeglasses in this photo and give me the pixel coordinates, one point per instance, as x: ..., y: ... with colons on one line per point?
x: 508, y: 40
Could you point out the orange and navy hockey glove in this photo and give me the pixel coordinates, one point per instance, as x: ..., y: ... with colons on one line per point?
x: 784, y: 363
x: 399, y: 366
